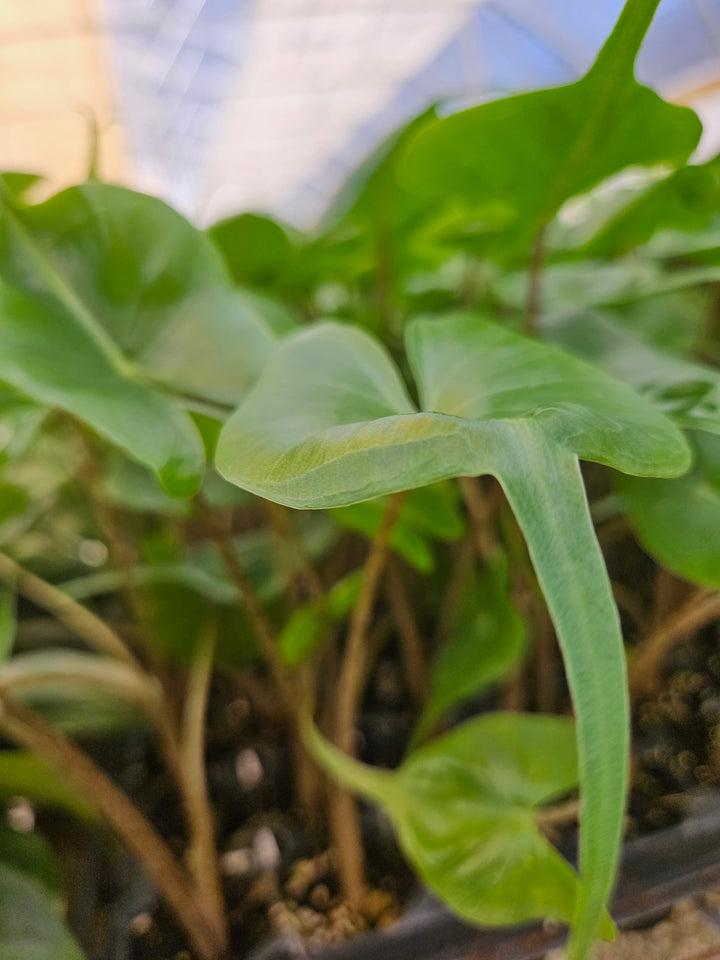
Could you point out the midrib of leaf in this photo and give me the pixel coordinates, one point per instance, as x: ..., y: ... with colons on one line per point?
x: 56, y: 283
x: 544, y: 486
x: 613, y: 68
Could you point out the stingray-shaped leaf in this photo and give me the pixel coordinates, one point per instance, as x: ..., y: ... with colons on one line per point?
x: 678, y: 521
x: 465, y: 808
x: 512, y: 163
x: 330, y: 423
x: 108, y: 300
x: 685, y: 390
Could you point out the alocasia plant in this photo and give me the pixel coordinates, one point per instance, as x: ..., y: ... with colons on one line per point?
x: 330, y: 422
x: 510, y: 164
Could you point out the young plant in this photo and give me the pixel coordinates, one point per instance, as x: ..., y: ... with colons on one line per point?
x: 330, y: 422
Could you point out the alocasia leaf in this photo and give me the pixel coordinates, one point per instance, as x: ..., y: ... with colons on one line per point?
x: 512, y: 163
x: 465, y: 809
x: 330, y: 423
x: 108, y: 300
x: 678, y: 521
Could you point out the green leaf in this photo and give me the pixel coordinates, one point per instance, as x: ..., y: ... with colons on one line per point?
x: 464, y: 808
x: 678, y: 521
x: 28, y: 853
x: 30, y: 928
x: 7, y: 622
x: 25, y: 775
x: 18, y: 184
x: 304, y: 630
x: 108, y: 299
x: 257, y: 249
x: 683, y: 201
x: 486, y: 641
x: 688, y: 392
x: 330, y: 423
x: 512, y: 163
x: 426, y: 512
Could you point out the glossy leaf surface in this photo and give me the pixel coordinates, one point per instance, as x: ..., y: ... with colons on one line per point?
x: 464, y: 809
x: 512, y: 163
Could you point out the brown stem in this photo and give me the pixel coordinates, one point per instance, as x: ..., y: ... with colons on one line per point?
x: 300, y: 564
x: 260, y: 623
x: 532, y: 301
x: 480, y: 516
x: 81, y: 621
x: 707, y: 339
x: 545, y: 660
x: 411, y: 645
x: 644, y: 668
x: 202, y: 856
x: 31, y: 731
x: 558, y: 815
x: 290, y: 695
x: 344, y: 821
x: 456, y: 584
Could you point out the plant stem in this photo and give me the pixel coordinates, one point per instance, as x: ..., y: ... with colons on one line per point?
x: 261, y: 625
x: 411, y: 645
x: 644, y: 669
x: 81, y: 621
x: 202, y: 856
x: 287, y: 533
x: 480, y: 516
x: 560, y: 814
x: 31, y: 731
x: 532, y: 301
x: 344, y: 820
x: 290, y: 696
